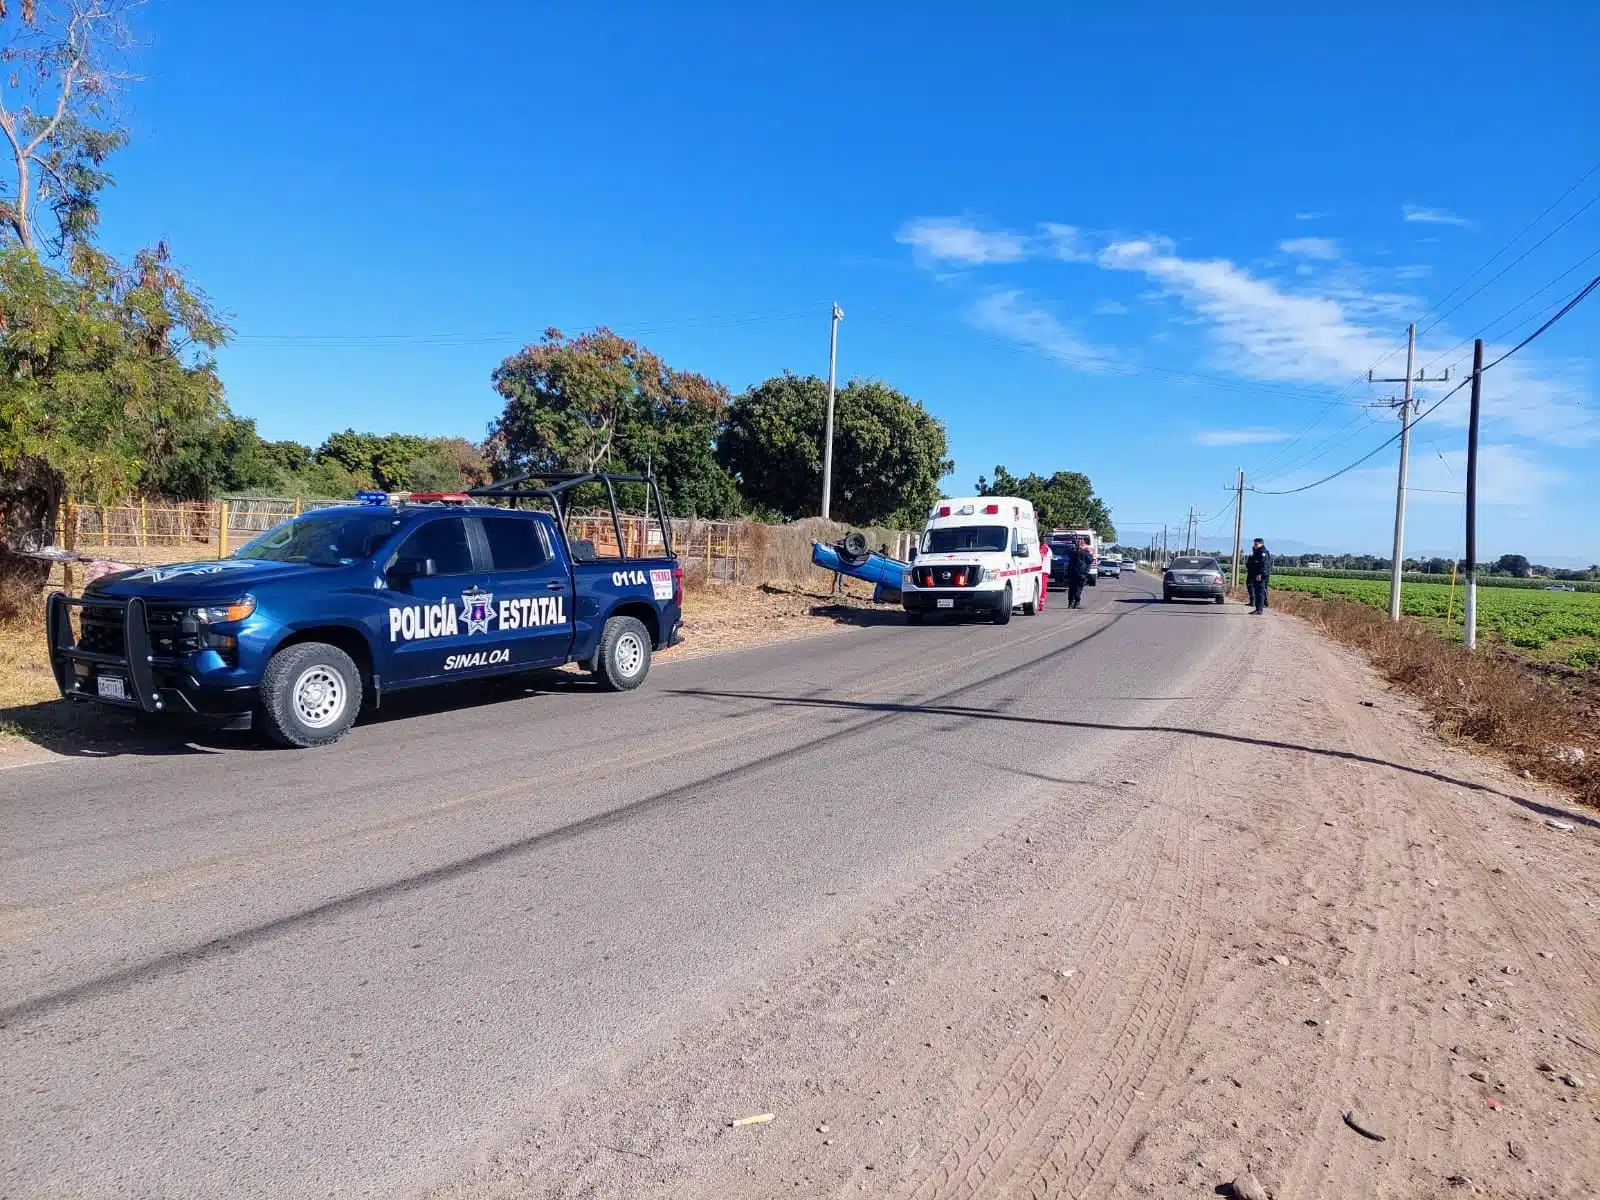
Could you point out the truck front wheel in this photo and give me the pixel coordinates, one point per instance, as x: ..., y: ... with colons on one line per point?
x: 624, y: 657
x: 309, y: 695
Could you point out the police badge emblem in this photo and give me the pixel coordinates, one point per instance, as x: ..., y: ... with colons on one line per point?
x: 477, y: 610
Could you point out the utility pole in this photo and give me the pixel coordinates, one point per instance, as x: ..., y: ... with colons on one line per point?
x: 1397, y: 566
x: 1238, y: 526
x: 1470, y: 608
x: 827, y: 425
x: 1188, y: 537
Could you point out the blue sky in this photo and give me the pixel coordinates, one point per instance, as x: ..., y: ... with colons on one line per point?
x: 1152, y: 244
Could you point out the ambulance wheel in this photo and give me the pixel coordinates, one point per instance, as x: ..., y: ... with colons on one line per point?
x: 310, y: 694
x: 1002, y: 615
x: 624, y: 658
x: 1093, y: 579
x: 1031, y: 608
x: 913, y: 618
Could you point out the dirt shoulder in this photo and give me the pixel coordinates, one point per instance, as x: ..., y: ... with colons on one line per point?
x: 1310, y: 907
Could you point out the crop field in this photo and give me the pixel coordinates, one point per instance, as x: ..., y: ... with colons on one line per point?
x: 1544, y: 626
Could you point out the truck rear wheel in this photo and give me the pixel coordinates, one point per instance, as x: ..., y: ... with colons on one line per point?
x: 1002, y: 615
x: 624, y: 657
x: 310, y: 694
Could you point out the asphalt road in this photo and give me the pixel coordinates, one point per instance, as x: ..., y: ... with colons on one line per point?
x: 231, y: 971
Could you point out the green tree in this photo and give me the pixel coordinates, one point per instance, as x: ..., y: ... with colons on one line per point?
x: 888, y: 451
x: 58, y: 92
x: 1512, y: 564
x: 1063, y: 500
x: 288, y: 457
x: 602, y: 402
x: 386, y: 457
x: 96, y: 363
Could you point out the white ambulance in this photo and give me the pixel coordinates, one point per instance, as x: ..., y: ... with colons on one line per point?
x: 977, y: 555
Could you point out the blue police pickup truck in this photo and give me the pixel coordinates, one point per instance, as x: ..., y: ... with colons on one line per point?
x: 336, y: 608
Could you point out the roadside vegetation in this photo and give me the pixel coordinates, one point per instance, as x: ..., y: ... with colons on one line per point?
x: 1538, y: 625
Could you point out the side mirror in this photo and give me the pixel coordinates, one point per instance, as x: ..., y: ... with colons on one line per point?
x: 406, y: 569
x: 912, y: 557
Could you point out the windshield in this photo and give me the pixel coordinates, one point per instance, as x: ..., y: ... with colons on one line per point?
x: 954, y: 538
x: 332, y: 538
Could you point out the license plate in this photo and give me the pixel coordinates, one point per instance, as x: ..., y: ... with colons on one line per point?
x: 111, y: 687
x: 946, y: 603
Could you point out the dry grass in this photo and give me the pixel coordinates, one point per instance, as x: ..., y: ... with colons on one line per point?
x: 1489, y: 701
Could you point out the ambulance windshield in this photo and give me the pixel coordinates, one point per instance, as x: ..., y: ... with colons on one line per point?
x: 955, y: 538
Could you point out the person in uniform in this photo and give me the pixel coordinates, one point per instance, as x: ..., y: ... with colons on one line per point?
x: 1079, y: 561
x: 1258, y: 571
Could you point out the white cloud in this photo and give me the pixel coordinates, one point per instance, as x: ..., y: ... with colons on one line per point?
x: 1310, y: 216
x: 950, y: 239
x: 1110, y: 308
x: 1239, y: 437
x: 1333, y: 331
x: 1311, y: 247
x: 1009, y: 314
x: 1066, y: 242
x: 1413, y: 271
x: 1431, y: 216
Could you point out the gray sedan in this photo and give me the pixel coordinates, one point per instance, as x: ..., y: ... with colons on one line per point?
x: 1194, y: 578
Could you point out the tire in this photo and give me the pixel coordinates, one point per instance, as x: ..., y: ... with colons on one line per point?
x: 1002, y: 615
x: 1031, y: 607
x: 1093, y: 579
x: 1166, y: 597
x: 1221, y: 599
x: 624, y: 657
x: 913, y: 618
x: 310, y: 695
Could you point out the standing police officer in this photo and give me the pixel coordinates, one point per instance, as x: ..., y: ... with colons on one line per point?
x: 1079, y: 562
x: 1258, y: 570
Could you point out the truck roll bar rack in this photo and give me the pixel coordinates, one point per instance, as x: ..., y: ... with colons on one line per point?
x: 554, y: 485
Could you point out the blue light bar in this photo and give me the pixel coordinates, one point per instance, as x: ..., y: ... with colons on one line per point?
x: 373, y: 497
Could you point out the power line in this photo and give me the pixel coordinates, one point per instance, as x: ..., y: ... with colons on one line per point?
x: 1523, y: 232
x: 1554, y: 204
x: 1568, y: 307
x: 1489, y: 335
x: 1590, y: 203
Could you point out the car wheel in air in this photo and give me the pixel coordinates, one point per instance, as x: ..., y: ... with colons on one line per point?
x: 1002, y: 615
x: 310, y: 694
x: 624, y: 658
x: 1221, y: 599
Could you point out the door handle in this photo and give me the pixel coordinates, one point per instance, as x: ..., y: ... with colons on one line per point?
x: 556, y: 586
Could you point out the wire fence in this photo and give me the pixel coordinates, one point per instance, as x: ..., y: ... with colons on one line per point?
x: 719, y: 552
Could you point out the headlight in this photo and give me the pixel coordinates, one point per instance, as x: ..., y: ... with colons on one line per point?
x: 979, y: 574
x: 218, y: 614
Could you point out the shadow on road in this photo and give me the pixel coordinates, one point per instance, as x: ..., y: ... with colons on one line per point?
x: 986, y: 714
x: 78, y: 730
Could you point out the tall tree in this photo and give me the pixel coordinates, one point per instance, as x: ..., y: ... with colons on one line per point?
x: 888, y: 451
x: 58, y: 82
x: 97, y: 364
x: 599, y: 401
x: 1065, y: 499
x: 1512, y: 564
